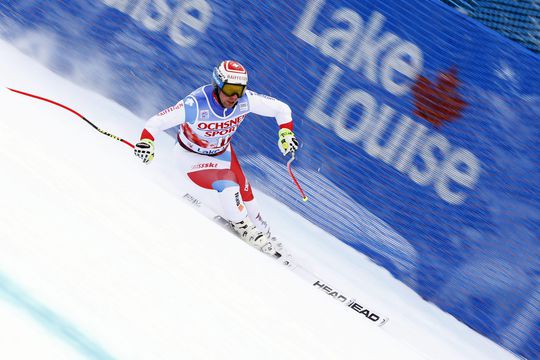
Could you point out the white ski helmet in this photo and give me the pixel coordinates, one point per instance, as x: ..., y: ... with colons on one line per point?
x: 230, y: 77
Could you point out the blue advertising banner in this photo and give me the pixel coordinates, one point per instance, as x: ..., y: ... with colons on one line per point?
x: 419, y: 127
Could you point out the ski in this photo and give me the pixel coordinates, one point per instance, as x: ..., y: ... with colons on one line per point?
x: 366, y: 312
x: 359, y: 308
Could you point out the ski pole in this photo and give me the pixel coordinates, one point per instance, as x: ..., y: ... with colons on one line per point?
x: 74, y: 112
x: 304, y: 197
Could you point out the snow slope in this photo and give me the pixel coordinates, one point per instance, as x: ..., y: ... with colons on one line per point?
x: 101, y: 259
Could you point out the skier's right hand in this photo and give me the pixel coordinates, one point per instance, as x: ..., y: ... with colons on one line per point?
x: 145, y: 150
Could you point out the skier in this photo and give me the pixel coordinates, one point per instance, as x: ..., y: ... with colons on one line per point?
x: 208, y: 118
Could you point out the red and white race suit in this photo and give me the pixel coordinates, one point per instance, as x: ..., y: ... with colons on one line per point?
x: 205, y: 153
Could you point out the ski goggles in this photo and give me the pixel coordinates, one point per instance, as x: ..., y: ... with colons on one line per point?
x: 233, y: 89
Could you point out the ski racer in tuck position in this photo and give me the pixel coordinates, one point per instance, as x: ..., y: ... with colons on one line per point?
x: 207, y: 119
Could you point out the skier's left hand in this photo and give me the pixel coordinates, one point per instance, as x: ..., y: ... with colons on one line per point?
x: 287, y: 141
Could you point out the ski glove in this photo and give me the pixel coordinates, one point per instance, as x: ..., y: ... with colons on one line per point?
x: 145, y: 150
x: 287, y: 141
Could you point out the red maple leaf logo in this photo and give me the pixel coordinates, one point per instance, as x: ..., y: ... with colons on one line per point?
x: 438, y: 102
